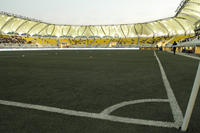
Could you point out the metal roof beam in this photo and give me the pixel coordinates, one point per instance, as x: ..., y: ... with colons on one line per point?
x: 192, y: 10
x: 33, y: 27
x: 21, y: 25
x: 186, y: 20
x: 195, y: 3
x: 69, y: 30
x: 181, y: 6
x: 43, y: 29
x: 136, y: 31
x: 53, y: 30
x: 180, y: 25
x: 185, y: 14
x: 91, y: 30
x: 122, y: 31
x: 163, y: 26
x: 142, y: 28
x: 150, y: 29
x: 128, y: 30
x: 7, y: 22
x: 84, y: 30
x: 103, y: 30
x: 138, y: 37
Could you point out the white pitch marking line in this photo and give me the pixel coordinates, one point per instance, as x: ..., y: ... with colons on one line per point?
x: 189, y: 56
x: 176, y: 111
x: 110, y: 109
x: 90, y: 115
x: 39, y: 49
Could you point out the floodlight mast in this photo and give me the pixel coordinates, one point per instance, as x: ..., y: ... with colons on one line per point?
x: 192, y: 100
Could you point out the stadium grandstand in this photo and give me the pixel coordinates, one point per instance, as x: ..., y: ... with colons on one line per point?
x: 160, y: 32
x: 141, y: 77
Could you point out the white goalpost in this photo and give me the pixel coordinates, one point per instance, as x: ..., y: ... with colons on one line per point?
x: 192, y: 100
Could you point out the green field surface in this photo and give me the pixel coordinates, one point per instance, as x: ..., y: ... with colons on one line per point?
x: 92, y: 81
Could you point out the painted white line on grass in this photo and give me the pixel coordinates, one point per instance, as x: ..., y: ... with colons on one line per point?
x: 186, y: 55
x: 90, y: 115
x: 176, y: 111
x: 105, y: 115
x: 110, y: 109
x: 39, y: 49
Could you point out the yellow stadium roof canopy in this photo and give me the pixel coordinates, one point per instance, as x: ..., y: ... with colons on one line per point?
x: 183, y: 23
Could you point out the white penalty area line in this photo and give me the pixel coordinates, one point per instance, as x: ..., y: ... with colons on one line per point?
x: 101, y: 116
x: 176, y: 111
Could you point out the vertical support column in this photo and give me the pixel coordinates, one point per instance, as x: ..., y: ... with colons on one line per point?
x: 192, y: 100
x: 138, y: 40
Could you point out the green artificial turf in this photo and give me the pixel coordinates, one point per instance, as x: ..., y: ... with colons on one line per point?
x: 147, y: 111
x: 17, y: 120
x: 181, y: 72
x: 80, y: 80
x: 91, y: 81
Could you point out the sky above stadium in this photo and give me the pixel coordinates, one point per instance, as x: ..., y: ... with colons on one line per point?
x: 92, y: 12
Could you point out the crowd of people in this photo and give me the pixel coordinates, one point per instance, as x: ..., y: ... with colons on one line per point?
x: 190, y: 39
x: 13, y: 39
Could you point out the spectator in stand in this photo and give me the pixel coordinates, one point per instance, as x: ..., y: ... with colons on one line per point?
x: 184, y: 50
x: 157, y: 47
x: 174, y: 47
x: 11, y: 39
x: 161, y: 48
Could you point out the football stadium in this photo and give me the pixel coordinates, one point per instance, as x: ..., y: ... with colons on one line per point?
x: 139, y: 77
